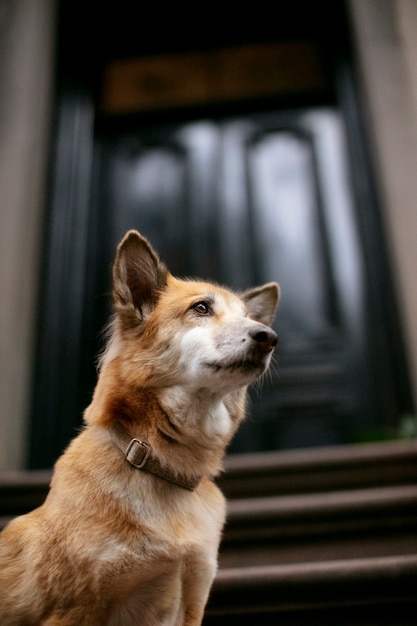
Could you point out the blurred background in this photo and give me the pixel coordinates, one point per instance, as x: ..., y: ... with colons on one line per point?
x: 248, y: 146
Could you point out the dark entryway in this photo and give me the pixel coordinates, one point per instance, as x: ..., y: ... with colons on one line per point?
x: 265, y: 184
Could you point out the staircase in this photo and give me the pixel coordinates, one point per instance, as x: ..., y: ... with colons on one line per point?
x: 324, y: 536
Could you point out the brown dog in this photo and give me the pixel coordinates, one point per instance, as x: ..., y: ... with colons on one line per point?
x: 129, y: 532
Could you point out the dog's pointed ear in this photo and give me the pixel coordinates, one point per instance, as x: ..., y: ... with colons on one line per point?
x: 138, y: 275
x: 261, y: 302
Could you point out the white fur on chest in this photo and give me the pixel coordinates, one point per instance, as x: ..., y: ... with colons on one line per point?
x: 200, y: 412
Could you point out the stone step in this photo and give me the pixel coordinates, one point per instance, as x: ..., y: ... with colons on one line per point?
x: 320, y: 469
x: 321, y: 526
x: 349, y: 592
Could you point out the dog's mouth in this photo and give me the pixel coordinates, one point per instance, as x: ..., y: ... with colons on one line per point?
x: 242, y: 365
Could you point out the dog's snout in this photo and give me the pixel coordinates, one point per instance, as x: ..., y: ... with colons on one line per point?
x: 265, y: 337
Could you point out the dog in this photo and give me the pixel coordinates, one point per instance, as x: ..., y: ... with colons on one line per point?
x: 130, y: 529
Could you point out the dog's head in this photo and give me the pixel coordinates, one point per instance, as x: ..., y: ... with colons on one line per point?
x: 186, y: 332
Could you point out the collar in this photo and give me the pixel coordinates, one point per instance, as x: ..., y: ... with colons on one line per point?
x: 140, y: 455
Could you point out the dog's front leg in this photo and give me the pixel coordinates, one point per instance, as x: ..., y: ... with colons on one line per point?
x: 197, y: 581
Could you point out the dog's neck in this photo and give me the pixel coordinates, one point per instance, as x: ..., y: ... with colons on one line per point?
x: 140, y: 456
x: 197, y: 413
x: 187, y: 430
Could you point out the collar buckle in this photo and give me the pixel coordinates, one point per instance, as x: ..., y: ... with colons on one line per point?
x: 140, y: 456
x: 137, y: 453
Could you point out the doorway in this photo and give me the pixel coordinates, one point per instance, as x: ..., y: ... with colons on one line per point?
x: 241, y: 190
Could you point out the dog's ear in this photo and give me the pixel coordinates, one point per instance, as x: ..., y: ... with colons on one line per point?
x: 261, y: 302
x: 138, y: 275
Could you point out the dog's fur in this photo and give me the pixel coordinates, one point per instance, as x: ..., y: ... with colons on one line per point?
x: 115, y: 545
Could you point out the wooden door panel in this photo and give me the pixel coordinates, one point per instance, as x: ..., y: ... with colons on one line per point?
x: 163, y: 183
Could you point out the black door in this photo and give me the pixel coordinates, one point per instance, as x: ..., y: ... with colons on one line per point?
x: 248, y: 200
x: 234, y: 196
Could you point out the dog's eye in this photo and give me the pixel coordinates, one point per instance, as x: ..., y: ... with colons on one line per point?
x: 202, y: 308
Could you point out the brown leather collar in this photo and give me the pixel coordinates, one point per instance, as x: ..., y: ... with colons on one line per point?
x: 140, y: 455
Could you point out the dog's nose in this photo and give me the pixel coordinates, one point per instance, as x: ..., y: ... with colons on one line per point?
x: 265, y: 337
